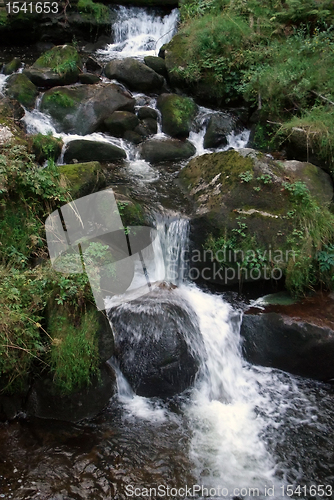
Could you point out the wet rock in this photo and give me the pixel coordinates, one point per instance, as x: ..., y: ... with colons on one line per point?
x: 134, y: 137
x: 82, y: 109
x: 156, y: 344
x: 134, y: 74
x: 83, y: 178
x: 59, y: 66
x: 157, y: 150
x: 12, y: 66
x: 151, y: 125
x: 89, y: 78
x: 296, y: 338
x: 82, y: 151
x: 147, y: 112
x: 219, y: 126
x: 44, y: 400
x: 119, y: 122
x: 19, y: 87
x: 93, y: 66
x: 177, y: 114
x: 157, y: 64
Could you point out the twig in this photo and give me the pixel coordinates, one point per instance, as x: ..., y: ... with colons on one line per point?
x: 323, y: 97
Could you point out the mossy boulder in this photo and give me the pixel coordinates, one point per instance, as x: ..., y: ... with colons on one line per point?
x: 177, y: 114
x: 12, y: 66
x: 134, y: 74
x: 82, y: 109
x: 19, y: 87
x: 157, y: 64
x: 83, y: 150
x: 46, y: 147
x: 205, y: 88
x: 83, y: 178
x: 119, y: 122
x: 157, y: 150
x: 243, y: 198
x: 60, y: 65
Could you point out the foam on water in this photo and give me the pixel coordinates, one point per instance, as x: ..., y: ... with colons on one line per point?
x: 138, y: 33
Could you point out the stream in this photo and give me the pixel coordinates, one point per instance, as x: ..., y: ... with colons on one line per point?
x: 241, y: 431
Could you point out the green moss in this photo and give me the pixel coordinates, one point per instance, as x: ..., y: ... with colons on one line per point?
x: 100, y: 12
x: 59, y: 98
x: 229, y: 164
x: 46, y: 147
x: 60, y: 59
x: 83, y: 178
x: 132, y: 214
x: 74, y: 356
x: 19, y: 87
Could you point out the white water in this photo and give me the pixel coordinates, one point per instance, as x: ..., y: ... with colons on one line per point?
x: 138, y: 33
x: 235, y: 410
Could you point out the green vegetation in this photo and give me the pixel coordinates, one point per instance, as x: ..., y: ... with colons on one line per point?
x: 99, y: 11
x: 74, y: 355
x: 46, y: 147
x: 60, y: 98
x: 277, y: 55
x: 60, y: 59
x: 309, y: 245
x: 30, y: 339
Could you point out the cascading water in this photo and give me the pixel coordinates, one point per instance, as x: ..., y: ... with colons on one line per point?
x: 240, y: 426
x: 236, y: 412
x: 138, y: 32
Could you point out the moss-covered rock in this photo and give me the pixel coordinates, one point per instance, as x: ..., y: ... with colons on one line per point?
x: 119, y: 122
x: 205, y: 88
x: 157, y: 150
x: 177, y: 114
x: 12, y: 66
x: 19, y: 87
x: 83, y: 178
x: 134, y: 74
x: 246, y: 201
x: 82, y: 109
x: 83, y: 150
x: 46, y: 147
x: 60, y: 65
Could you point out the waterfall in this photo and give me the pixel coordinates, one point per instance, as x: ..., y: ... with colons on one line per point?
x: 138, y: 33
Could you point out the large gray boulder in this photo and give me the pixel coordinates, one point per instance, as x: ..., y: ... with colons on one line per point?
x: 88, y: 151
x: 157, y: 150
x: 134, y: 74
x: 157, y: 340
x: 82, y: 109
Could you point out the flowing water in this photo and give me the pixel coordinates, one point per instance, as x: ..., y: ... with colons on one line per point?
x: 139, y: 33
x: 240, y: 432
